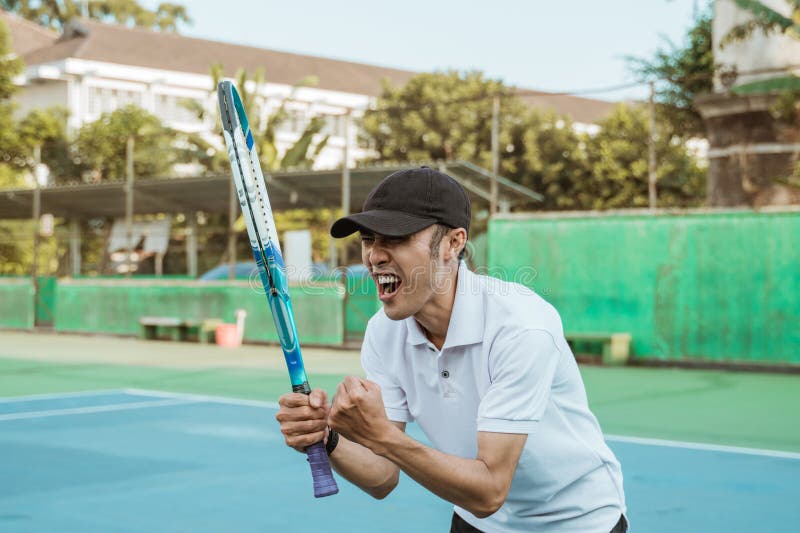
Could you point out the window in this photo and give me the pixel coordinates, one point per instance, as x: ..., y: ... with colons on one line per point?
x: 295, y: 122
x: 335, y: 125
x: 172, y: 108
x: 106, y: 100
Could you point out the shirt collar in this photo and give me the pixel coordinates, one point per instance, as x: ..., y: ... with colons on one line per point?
x: 466, y: 318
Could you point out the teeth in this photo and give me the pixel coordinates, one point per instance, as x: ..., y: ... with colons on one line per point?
x: 387, y: 279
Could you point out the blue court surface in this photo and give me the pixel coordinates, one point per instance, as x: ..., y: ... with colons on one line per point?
x: 149, y: 461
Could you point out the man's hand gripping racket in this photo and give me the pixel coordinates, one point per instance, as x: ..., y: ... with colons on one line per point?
x: 257, y: 212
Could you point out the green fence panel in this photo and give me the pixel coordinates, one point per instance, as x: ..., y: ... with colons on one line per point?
x: 362, y: 302
x: 46, y: 303
x: 16, y: 303
x: 723, y: 286
x: 114, y: 306
x: 318, y: 313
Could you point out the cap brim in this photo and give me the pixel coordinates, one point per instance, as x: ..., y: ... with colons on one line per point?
x: 382, y: 222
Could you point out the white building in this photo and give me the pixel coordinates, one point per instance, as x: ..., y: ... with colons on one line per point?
x: 94, y: 68
x: 760, y: 56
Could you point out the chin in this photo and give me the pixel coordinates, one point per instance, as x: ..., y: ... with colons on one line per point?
x: 396, y: 314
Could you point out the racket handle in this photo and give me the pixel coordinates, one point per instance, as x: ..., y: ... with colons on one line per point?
x: 324, y: 484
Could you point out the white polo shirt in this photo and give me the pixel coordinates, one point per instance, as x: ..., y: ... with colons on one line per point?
x: 505, y: 367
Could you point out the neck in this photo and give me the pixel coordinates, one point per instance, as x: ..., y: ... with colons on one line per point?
x: 434, y: 317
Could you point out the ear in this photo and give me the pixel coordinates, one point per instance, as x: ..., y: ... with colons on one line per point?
x: 456, y: 240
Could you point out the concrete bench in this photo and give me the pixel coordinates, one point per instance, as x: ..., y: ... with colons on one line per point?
x: 178, y: 329
x: 616, y: 347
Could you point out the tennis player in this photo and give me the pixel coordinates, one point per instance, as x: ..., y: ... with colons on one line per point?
x: 481, y: 365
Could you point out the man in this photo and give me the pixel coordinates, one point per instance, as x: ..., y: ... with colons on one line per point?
x: 481, y: 365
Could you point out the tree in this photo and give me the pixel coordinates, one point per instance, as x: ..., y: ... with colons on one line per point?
x: 101, y: 145
x: 10, y: 65
x: 47, y: 129
x: 439, y: 116
x: 10, y: 149
x: 766, y: 20
x: 301, y: 154
x: 681, y: 73
x: 769, y: 21
x: 617, y: 158
x: 555, y: 159
x: 448, y: 116
x: 56, y: 13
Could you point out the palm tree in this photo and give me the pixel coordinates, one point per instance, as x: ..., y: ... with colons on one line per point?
x: 301, y: 154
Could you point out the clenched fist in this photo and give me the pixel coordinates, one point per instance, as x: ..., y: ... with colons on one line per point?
x: 358, y: 413
x: 303, y: 418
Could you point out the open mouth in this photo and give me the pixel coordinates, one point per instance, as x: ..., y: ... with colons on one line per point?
x: 388, y: 284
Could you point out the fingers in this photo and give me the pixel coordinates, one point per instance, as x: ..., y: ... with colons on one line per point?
x: 318, y: 398
x: 303, y: 418
x: 371, y: 386
x: 354, y: 384
x: 353, y: 388
x: 300, y: 434
x: 293, y: 399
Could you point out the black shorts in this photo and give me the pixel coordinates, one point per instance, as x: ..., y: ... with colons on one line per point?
x: 459, y: 525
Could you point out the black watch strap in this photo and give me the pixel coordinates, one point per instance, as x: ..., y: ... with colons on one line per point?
x: 333, y: 440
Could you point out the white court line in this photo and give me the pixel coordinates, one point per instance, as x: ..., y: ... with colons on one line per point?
x: 703, y: 446
x: 92, y: 409
x: 613, y: 438
x: 177, y: 398
x: 202, y: 398
x: 59, y: 395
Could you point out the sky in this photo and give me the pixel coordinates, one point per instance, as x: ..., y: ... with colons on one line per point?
x: 558, y: 46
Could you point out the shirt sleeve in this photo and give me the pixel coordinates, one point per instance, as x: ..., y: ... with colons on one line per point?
x: 394, y: 397
x: 521, y: 371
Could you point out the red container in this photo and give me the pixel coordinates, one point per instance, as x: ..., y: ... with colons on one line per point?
x: 227, y: 335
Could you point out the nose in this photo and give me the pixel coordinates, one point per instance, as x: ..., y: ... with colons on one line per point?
x: 376, y: 254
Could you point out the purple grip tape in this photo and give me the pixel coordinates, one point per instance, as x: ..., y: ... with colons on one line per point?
x: 324, y: 484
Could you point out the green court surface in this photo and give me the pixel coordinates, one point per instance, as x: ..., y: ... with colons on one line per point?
x: 755, y: 410
x: 105, y: 434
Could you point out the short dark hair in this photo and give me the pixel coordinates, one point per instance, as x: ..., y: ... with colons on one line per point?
x: 439, y: 231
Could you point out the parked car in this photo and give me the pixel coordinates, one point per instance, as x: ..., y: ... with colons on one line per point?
x: 243, y: 270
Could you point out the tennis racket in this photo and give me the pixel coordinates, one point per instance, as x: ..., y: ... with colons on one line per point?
x: 257, y: 213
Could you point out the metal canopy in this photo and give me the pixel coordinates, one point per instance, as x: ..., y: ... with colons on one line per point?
x: 287, y: 190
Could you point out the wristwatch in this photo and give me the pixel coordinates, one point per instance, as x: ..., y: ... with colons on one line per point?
x: 333, y: 440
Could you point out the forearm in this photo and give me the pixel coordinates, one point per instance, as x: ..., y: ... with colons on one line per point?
x: 373, y: 474
x: 468, y: 483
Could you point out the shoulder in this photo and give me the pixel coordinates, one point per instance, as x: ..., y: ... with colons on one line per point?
x: 512, y: 309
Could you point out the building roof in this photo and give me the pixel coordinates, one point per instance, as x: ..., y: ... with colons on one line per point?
x: 112, y: 43
x: 122, y: 45
x: 585, y: 110
x: 27, y: 36
x: 287, y: 190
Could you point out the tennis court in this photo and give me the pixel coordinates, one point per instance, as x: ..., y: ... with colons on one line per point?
x: 112, y: 434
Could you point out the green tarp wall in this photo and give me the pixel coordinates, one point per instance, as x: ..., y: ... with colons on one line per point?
x: 46, y: 302
x: 362, y: 303
x: 721, y: 286
x: 17, y: 309
x: 114, y: 306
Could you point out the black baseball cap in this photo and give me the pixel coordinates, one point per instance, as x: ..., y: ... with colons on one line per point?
x: 408, y: 201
